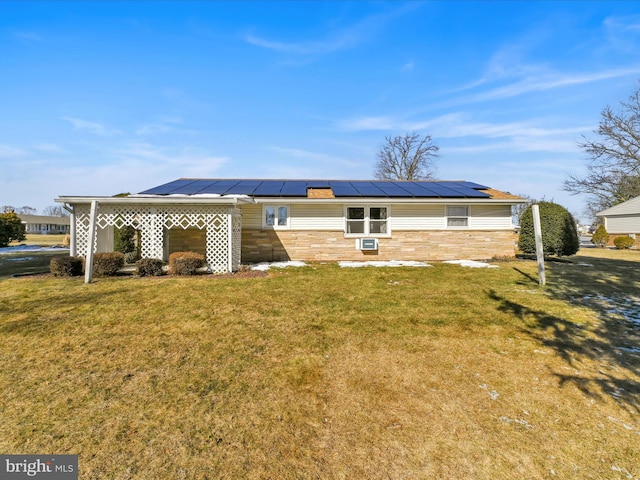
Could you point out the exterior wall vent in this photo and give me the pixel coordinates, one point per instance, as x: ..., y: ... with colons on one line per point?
x: 368, y: 244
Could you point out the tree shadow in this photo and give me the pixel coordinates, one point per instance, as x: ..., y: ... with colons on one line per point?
x: 608, y: 289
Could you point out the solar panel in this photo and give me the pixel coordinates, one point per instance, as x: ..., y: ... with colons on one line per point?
x: 168, y: 188
x: 340, y: 188
x: 344, y: 189
x: 294, y: 189
x: 269, y: 188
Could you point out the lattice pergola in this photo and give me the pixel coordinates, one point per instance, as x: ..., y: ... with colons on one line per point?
x: 223, y: 225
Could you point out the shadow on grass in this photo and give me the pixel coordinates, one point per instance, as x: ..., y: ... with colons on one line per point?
x: 36, y: 316
x: 609, y: 288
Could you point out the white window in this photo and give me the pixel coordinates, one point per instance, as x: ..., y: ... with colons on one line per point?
x: 275, y: 216
x: 457, y: 216
x: 367, y: 220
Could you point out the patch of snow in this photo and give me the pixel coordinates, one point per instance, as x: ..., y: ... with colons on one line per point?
x: 627, y: 307
x: 31, y: 248
x: 494, y: 395
x: 391, y: 263
x: 585, y: 264
x: 264, y: 266
x: 516, y: 420
x: 470, y: 263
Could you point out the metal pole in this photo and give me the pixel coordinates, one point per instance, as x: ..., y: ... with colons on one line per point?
x: 88, y: 268
x: 535, y: 209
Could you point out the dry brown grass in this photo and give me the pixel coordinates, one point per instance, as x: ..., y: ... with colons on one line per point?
x: 322, y: 372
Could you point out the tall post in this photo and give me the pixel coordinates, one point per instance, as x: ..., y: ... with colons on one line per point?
x: 537, y: 230
x: 88, y: 268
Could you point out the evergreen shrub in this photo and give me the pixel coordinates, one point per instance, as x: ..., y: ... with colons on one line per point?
x: 149, y: 267
x: 185, y: 263
x: 623, y: 243
x: 66, y: 266
x: 600, y: 238
x: 559, y: 232
x: 107, y: 264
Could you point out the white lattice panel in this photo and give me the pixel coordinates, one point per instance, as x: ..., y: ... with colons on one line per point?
x: 152, y: 222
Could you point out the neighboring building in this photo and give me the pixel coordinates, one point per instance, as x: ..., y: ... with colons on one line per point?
x: 45, y: 225
x: 623, y: 220
x: 311, y: 220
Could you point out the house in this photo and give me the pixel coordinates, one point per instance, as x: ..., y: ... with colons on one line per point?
x: 230, y: 221
x: 623, y: 220
x: 45, y: 224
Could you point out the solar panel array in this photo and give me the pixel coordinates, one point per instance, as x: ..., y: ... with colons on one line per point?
x: 340, y: 188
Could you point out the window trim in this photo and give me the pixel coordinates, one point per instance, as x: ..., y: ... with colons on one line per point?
x: 465, y: 217
x: 367, y: 220
x: 275, y: 226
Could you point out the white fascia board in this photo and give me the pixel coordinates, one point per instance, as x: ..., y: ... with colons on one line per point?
x: 387, y: 201
x: 158, y: 200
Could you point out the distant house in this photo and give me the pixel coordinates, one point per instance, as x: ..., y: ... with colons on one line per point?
x: 623, y: 220
x: 230, y: 221
x: 46, y: 225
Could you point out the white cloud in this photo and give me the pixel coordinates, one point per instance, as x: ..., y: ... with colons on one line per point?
x: 7, y: 151
x: 345, y: 38
x: 29, y: 36
x: 92, y: 127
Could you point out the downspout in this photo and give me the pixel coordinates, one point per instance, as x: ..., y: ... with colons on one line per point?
x: 73, y: 251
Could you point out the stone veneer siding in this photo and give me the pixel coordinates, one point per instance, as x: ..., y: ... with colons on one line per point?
x: 321, y: 246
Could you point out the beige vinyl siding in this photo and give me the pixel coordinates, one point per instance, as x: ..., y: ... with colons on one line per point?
x: 490, y: 217
x: 623, y: 224
x: 251, y: 216
x: 317, y: 217
x: 417, y: 217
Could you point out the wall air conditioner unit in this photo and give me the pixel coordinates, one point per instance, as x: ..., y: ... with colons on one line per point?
x: 369, y: 244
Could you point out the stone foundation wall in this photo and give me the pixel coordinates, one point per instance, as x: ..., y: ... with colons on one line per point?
x: 321, y: 246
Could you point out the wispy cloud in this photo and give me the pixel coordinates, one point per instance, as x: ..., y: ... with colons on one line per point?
x: 28, y: 36
x: 345, y: 38
x: 408, y: 67
x: 92, y: 127
x: 7, y: 151
x: 550, y: 81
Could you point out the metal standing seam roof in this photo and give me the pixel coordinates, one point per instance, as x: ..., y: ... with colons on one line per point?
x: 340, y: 188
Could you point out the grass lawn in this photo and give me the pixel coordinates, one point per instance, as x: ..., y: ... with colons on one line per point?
x: 323, y: 372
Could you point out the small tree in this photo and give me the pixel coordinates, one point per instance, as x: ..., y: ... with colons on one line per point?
x: 407, y: 157
x: 600, y: 238
x: 11, y: 228
x: 559, y: 233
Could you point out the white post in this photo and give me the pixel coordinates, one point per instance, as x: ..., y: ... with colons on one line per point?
x: 537, y: 230
x: 88, y: 268
x: 73, y: 250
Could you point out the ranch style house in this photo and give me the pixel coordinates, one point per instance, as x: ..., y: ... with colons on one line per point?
x: 231, y: 221
x: 623, y: 220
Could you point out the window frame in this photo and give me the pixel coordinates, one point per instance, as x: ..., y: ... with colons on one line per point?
x: 466, y: 217
x: 367, y: 221
x: 277, y: 207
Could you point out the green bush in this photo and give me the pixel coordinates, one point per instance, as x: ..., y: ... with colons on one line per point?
x: 600, y: 238
x: 66, y: 266
x: 11, y: 229
x: 185, y: 263
x: 149, y: 267
x: 623, y: 243
x: 131, y: 257
x: 559, y: 233
x: 106, y: 264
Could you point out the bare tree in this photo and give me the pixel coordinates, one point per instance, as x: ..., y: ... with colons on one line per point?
x: 407, y: 157
x: 26, y: 210
x: 55, y: 211
x: 613, y: 166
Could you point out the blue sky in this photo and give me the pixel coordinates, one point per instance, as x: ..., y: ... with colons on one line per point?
x: 99, y: 98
